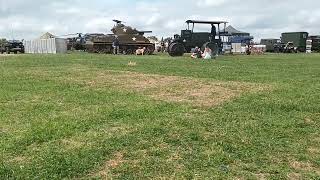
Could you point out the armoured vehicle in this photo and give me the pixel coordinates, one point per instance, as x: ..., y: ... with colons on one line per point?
x: 130, y: 39
x: 190, y: 39
x: 10, y: 46
x: 75, y: 43
x: 299, y: 40
x: 78, y: 41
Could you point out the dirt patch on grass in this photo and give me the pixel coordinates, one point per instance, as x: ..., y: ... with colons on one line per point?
x: 19, y: 160
x: 312, y: 119
x: 72, y: 144
x: 301, y: 166
x: 197, y: 92
x: 305, y: 167
x: 262, y: 176
x: 314, y: 150
x: 113, y: 163
x: 294, y: 176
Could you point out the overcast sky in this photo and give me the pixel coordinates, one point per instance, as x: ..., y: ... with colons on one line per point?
x: 28, y: 19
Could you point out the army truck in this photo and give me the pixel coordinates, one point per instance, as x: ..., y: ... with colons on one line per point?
x: 270, y: 44
x: 130, y: 39
x: 189, y: 39
x: 11, y: 46
x: 315, y: 43
x: 299, y: 40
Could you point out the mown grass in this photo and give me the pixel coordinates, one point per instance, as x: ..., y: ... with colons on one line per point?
x: 60, y: 119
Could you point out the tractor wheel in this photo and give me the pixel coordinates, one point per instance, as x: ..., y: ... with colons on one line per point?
x: 176, y: 49
x: 213, y: 46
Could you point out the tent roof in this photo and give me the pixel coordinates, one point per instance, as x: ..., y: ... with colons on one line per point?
x: 233, y: 31
x: 47, y: 35
x: 205, y: 22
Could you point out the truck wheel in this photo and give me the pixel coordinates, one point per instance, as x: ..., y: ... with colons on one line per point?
x: 176, y: 49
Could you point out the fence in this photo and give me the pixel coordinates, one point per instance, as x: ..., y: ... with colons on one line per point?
x: 46, y: 46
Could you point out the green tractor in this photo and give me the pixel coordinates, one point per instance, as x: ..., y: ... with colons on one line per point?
x: 189, y: 39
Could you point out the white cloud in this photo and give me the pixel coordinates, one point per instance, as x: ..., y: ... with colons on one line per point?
x: 28, y: 19
x: 211, y: 3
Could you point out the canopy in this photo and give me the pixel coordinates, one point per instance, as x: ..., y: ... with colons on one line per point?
x: 205, y: 22
x: 234, y: 32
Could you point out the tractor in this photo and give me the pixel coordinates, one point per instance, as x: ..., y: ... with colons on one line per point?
x: 189, y: 39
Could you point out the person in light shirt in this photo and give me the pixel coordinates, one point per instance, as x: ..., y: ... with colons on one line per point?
x: 207, y: 54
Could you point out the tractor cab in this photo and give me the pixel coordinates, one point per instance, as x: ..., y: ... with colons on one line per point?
x: 190, y: 39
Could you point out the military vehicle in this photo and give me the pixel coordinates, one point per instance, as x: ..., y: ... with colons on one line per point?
x: 315, y: 43
x: 270, y: 44
x: 130, y: 39
x: 299, y: 40
x: 77, y: 42
x: 285, y: 48
x: 10, y: 46
x: 190, y: 39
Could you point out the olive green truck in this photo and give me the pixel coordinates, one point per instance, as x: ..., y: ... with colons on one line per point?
x: 299, y: 40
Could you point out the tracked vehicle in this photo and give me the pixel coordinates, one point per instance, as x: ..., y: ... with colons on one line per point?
x: 130, y: 39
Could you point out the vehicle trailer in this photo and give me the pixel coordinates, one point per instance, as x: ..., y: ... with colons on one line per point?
x: 299, y: 40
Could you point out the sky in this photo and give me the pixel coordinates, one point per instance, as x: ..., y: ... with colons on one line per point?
x: 29, y: 19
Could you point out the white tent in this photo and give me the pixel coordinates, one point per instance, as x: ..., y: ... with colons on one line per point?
x: 46, y: 46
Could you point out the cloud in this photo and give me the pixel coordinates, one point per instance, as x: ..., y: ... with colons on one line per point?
x: 28, y: 19
x: 211, y: 3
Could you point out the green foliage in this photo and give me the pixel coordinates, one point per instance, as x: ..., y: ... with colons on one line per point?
x: 54, y: 125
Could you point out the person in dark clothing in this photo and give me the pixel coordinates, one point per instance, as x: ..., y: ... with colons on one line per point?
x: 213, y: 32
x: 116, y: 46
x: 197, y: 53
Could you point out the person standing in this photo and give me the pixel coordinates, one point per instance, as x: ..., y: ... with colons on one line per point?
x: 116, y: 45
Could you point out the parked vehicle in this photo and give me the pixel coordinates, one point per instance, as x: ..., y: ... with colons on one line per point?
x: 12, y: 46
x: 298, y: 39
x: 190, y: 39
x: 130, y: 39
x: 270, y: 44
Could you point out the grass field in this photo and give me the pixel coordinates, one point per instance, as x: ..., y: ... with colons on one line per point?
x: 83, y: 116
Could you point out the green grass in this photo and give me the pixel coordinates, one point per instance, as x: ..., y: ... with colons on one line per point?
x: 53, y: 125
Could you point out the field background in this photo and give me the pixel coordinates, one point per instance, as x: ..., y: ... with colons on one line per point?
x: 89, y: 116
